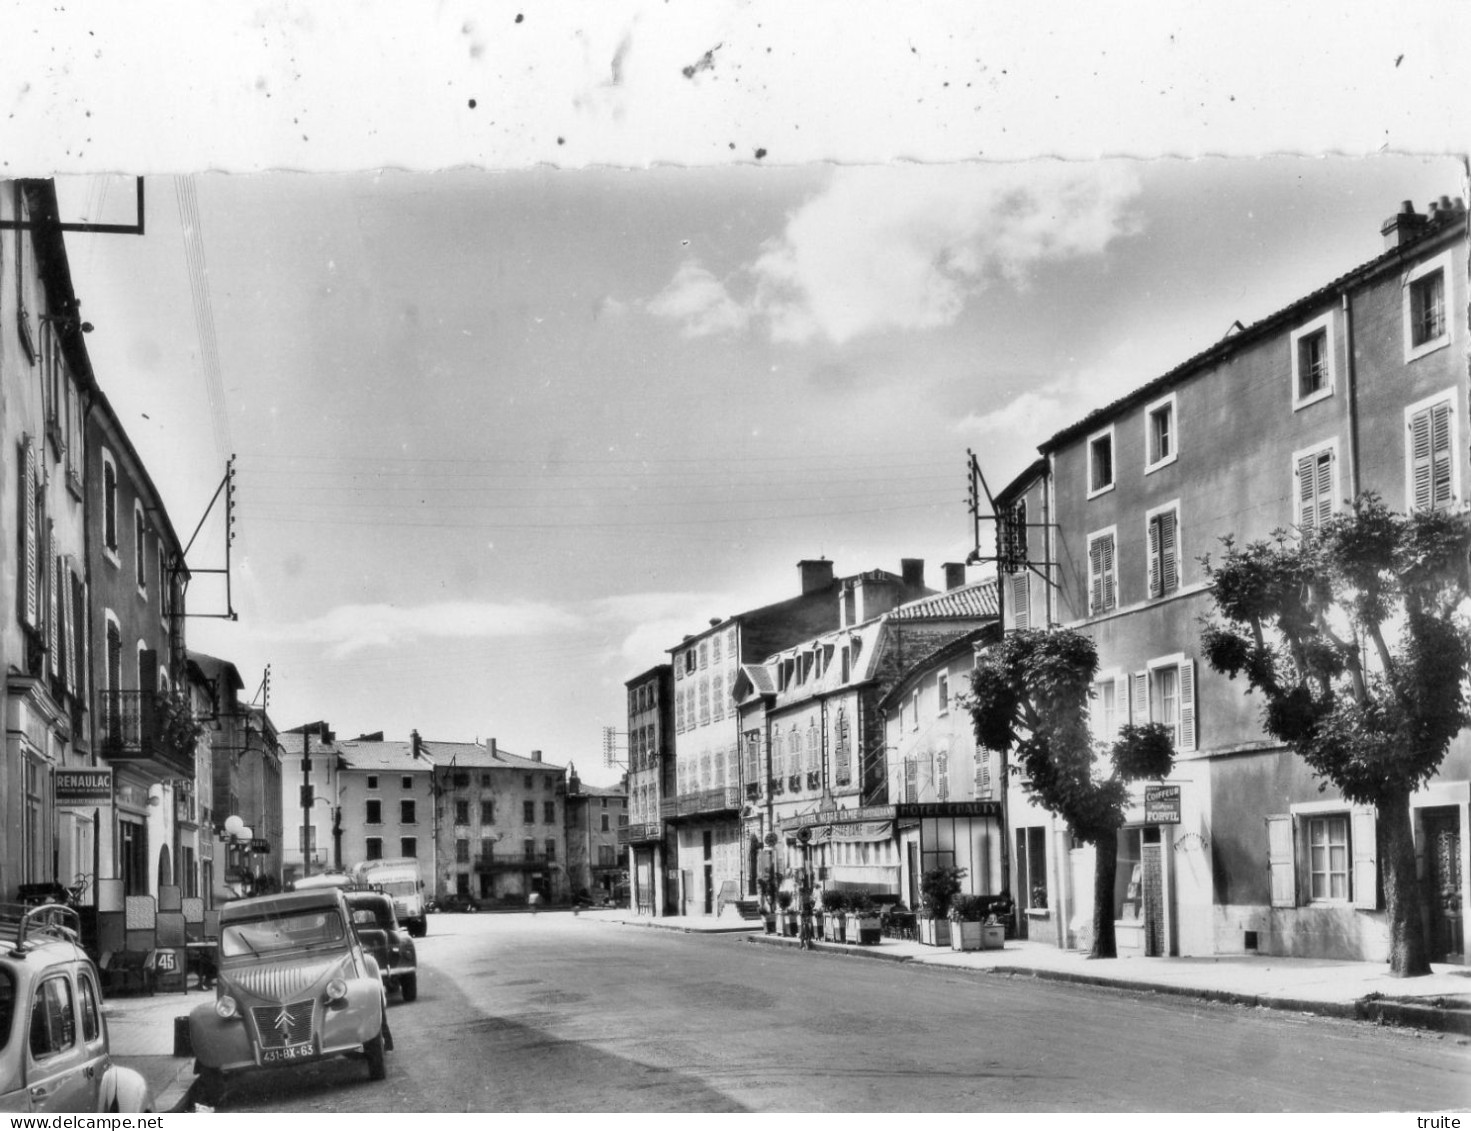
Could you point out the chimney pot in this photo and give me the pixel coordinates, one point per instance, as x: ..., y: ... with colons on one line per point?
x: 912, y: 571
x: 492, y: 747
x: 954, y: 575
x: 536, y: 755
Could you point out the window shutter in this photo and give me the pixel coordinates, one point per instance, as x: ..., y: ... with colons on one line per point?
x: 1139, y: 705
x: 30, y: 591
x: 1440, y: 455
x: 1364, y: 845
x: 1307, y: 485
x: 69, y: 628
x: 53, y: 604
x: 1154, y: 564
x: 1110, y: 598
x: 1095, y: 576
x: 1186, y: 685
x: 1021, y: 604
x: 1325, y: 487
x: 1421, y: 458
x: 1280, y: 861
x: 1169, y: 558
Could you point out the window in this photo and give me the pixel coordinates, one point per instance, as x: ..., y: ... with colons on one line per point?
x: 1426, y: 326
x: 487, y: 812
x: 1432, y: 479
x: 372, y: 781
x: 1100, y: 462
x: 1164, y: 550
x: 1013, y: 537
x: 528, y: 846
x: 1103, y: 585
x: 408, y: 846
x: 91, y: 1009
x: 528, y: 812
x: 462, y: 781
x: 29, y: 539
x: 551, y: 849
x: 1315, y: 472
x: 1322, y: 852
x: 53, y: 1018
x: 375, y: 812
x: 1031, y: 867
x: 1327, y: 859
x: 1019, y: 589
x: 529, y: 782
x: 462, y: 812
x: 462, y: 851
x: 373, y: 848
x: 942, y: 693
x: 408, y: 782
x: 605, y: 827
x: 1313, y: 369
x: 547, y: 783
x: 487, y: 848
x: 1162, y: 443
x: 607, y: 856
x: 484, y: 781
x: 549, y: 812
x: 109, y: 503
x: 1165, y: 693
x: 1104, y: 718
x: 406, y: 814
x: 140, y: 558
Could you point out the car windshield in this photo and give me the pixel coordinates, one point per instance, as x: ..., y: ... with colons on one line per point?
x: 280, y: 932
x: 369, y: 917
x: 400, y: 887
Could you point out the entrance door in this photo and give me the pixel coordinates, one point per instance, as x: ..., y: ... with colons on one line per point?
x: 1443, y: 884
x: 1154, y: 901
x: 709, y: 870
x: 913, y: 873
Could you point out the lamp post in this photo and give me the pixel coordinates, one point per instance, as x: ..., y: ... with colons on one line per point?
x: 236, y: 831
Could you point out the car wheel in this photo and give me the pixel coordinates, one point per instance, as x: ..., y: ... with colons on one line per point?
x: 377, y: 1066
x: 209, y: 1087
x: 408, y: 985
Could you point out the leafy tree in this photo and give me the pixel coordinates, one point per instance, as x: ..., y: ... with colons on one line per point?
x: 1030, y: 697
x: 1354, y: 638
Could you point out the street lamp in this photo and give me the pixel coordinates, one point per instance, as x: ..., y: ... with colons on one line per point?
x: 236, y: 832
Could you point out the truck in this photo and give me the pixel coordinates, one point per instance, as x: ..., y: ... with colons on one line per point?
x: 401, y: 879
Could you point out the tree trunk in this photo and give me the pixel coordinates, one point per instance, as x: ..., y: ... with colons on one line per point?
x: 1409, y: 956
x: 1105, y: 868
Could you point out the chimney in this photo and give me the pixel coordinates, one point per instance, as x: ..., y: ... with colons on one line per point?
x: 912, y: 571
x: 536, y: 755
x: 815, y: 575
x: 417, y: 742
x: 491, y: 743
x: 954, y: 575
x: 1404, y: 226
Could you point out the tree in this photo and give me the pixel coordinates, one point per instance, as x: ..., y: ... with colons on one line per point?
x: 1354, y: 637
x: 1030, y: 697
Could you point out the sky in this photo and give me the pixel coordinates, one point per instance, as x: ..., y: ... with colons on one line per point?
x: 503, y: 438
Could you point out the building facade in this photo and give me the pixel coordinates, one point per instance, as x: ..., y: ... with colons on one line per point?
x: 652, y: 849
x: 597, y: 855
x: 1359, y: 386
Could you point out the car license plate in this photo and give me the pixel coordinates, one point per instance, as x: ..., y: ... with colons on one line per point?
x: 289, y: 1053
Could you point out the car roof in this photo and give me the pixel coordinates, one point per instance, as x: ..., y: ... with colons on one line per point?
x: 285, y: 903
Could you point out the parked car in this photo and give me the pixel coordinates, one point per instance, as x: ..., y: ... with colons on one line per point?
x: 54, y: 1054
x: 295, y: 985
x: 386, y: 940
x: 455, y: 902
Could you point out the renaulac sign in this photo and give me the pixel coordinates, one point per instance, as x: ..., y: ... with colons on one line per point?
x: 83, y: 789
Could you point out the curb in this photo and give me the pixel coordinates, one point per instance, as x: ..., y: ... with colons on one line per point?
x: 1377, y: 1011
x: 654, y: 924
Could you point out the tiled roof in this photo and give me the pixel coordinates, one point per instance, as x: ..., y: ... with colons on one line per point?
x: 398, y: 756
x: 472, y: 755
x: 977, y: 600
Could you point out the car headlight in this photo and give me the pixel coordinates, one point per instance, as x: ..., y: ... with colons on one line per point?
x: 336, y: 989
x: 226, y: 1006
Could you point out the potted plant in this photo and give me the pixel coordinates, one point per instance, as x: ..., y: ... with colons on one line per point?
x: 834, y: 903
x: 965, y: 922
x: 937, y: 887
x: 788, y: 916
x: 863, y: 919
x: 993, y: 925
x: 766, y: 889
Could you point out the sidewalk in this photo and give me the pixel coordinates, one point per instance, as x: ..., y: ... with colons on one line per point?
x: 141, y: 1034
x: 1354, y: 990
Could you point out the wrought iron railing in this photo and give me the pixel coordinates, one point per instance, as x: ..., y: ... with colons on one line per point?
x: 140, y: 726
x: 641, y: 834
x: 513, y: 860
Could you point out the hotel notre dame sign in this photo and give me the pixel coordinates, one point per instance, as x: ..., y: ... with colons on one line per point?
x: 84, y: 789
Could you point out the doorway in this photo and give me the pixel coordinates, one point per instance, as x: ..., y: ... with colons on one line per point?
x: 708, y: 845
x: 1442, y: 829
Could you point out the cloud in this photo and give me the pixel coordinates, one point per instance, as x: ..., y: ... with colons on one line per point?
x: 907, y: 247
x: 351, y: 628
x: 1038, y: 413
x: 700, y: 301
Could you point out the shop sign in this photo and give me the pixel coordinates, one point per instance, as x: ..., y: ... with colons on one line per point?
x: 950, y: 809
x: 1161, y: 804
x: 259, y: 845
x: 83, y: 788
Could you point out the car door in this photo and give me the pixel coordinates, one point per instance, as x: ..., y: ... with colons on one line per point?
x: 94, y: 1033
x: 59, y: 1077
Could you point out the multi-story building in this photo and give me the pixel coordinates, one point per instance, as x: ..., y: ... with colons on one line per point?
x: 597, y: 860
x: 817, y: 758
x: 652, y: 845
x: 309, y: 756
x: 385, y: 794
x: 51, y: 829
x: 1358, y: 386
x: 713, y: 868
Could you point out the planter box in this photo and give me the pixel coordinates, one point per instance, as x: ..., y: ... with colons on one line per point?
x: 833, y: 928
x: 965, y: 935
x: 993, y: 936
x: 864, y: 929
x: 933, y: 932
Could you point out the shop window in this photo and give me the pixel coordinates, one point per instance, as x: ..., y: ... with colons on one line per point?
x: 1031, y: 868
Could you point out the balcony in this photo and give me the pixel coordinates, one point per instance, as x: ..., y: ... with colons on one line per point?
x: 514, y: 862
x: 710, y: 801
x: 641, y: 834
x: 668, y: 807
x: 149, y: 730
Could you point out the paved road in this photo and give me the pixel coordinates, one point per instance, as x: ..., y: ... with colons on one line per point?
x: 556, y: 1013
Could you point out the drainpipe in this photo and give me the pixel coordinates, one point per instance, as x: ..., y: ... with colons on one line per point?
x: 1351, y: 398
